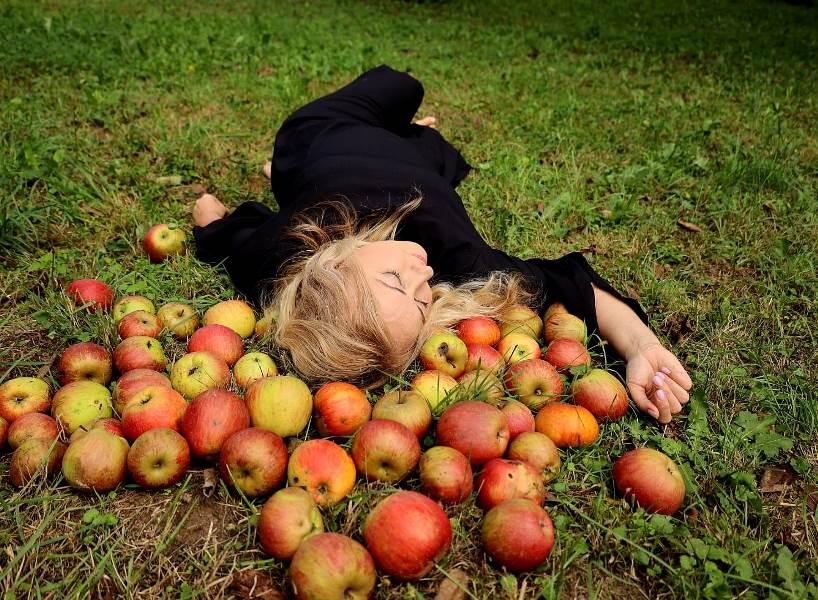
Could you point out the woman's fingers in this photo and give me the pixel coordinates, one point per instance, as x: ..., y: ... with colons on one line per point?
x: 268, y: 170
x: 677, y: 372
x: 641, y: 399
x: 660, y: 401
x: 678, y: 391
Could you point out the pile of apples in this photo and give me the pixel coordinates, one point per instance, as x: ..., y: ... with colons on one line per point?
x: 489, y: 402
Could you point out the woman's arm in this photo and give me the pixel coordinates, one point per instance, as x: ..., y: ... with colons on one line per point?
x: 656, y: 380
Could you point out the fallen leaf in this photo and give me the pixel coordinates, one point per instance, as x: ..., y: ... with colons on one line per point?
x: 776, y: 479
x: 253, y: 584
x: 169, y: 180
x: 812, y: 497
x: 454, y: 586
x: 688, y: 226
x: 211, y: 480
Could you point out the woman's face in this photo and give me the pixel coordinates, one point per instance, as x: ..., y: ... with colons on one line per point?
x: 398, y: 276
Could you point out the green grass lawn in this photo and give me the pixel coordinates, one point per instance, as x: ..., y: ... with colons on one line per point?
x: 674, y: 142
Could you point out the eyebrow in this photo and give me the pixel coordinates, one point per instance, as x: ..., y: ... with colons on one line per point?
x: 392, y: 287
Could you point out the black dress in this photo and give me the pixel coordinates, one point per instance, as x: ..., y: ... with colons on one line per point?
x: 359, y: 143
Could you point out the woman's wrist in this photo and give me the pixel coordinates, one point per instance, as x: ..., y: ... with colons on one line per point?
x: 639, y: 342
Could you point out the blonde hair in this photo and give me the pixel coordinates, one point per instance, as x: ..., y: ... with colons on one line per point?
x: 327, y: 316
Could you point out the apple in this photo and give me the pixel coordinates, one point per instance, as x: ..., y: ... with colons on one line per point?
x: 502, y: 480
x: 96, y: 462
x: 567, y: 424
x: 518, y: 535
x: 537, y: 450
x: 235, y: 314
x: 331, y: 566
x: 434, y: 386
x: 23, y: 395
x: 408, y: 408
x: 253, y: 461
x: 219, y: 340
x: 602, y: 394
x: 288, y: 518
x: 129, y: 304
x: 85, y: 361
x: 444, y: 352
x: 109, y: 424
x: 479, y: 330
x: 521, y: 319
x: 651, y: 479
x: 139, y: 352
x: 340, y: 409
x: 253, y: 366
x: 477, y: 429
x: 4, y: 431
x: 324, y: 469
x: 79, y: 403
x: 481, y: 385
x: 153, y: 407
x: 516, y: 347
x: 385, y: 450
x: 553, y: 309
x: 265, y: 324
x: 445, y: 474
x: 178, y: 318
x: 565, y: 354
x: 91, y: 293
x: 158, y: 458
x: 132, y: 382
x: 162, y: 240
x: 536, y: 382
x: 31, y: 426
x: 32, y: 457
x: 210, y: 419
x: 566, y: 326
x: 484, y: 358
x: 407, y: 533
x: 198, y: 371
x: 139, y: 322
x: 520, y: 417
x: 282, y: 404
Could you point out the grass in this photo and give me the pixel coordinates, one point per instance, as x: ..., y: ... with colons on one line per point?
x: 593, y: 127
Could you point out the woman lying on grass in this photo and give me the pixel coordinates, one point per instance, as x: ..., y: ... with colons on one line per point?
x: 350, y: 280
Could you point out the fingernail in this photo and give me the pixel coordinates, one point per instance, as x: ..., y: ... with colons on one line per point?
x: 658, y: 381
x: 660, y: 394
x: 653, y: 413
x: 665, y: 370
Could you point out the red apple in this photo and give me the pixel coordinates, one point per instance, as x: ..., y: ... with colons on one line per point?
x: 95, y: 462
x: 265, y: 324
x: 110, y: 425
x: 651, y: 479
x: 481, y: 385
x: 445, y: 474
x: 34, y: 456
x: 520, y: 417
x: 4, y: 431
x: 479, y: 330
x: 564, y: 325
x: 330, y: 565
x: 340, y: 409
x: 324, y: 469
x: 536, y: 382
x: 153, y: 407
x: 567, y: 424
x: 139, y: 322
x: 139, y: 352
x: 132, y: 382
x: 80, y: 403
x: 518, y: 535
x: 288, y: 518
x: 435, y: 387
x: 553, y: 309
x: 478, y: 430
x: 218, y: 339
x: 85, y: 361
x: 407, y: 407
x: 282, y: 404
x: 385, y: 450
x: 407, y: 533
x: 31, y: 426
x: 502, y: 480
x: 565, y: 354
x: 158, y: 458
x: 521, y: 319
x: 537, y: 450
x: 178, y: 318
x: 129, y: 304
x: 210, y: 419
x: 602, y: 394
x: 235, y: 314
x: 91, y: 293
x: 162, y: 240
x: 197, y: 372
x: 444, y: 352
x: 516, y: 347
x: 252, y: 367
x: 253, y: 461
x: 484, y: 358
x: 23, y: 395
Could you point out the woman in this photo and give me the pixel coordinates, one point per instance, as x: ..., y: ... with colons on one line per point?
x: 350, y: 280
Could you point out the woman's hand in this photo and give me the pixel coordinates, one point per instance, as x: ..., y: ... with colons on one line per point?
x: 657, y: 382
x: 208, y: 209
